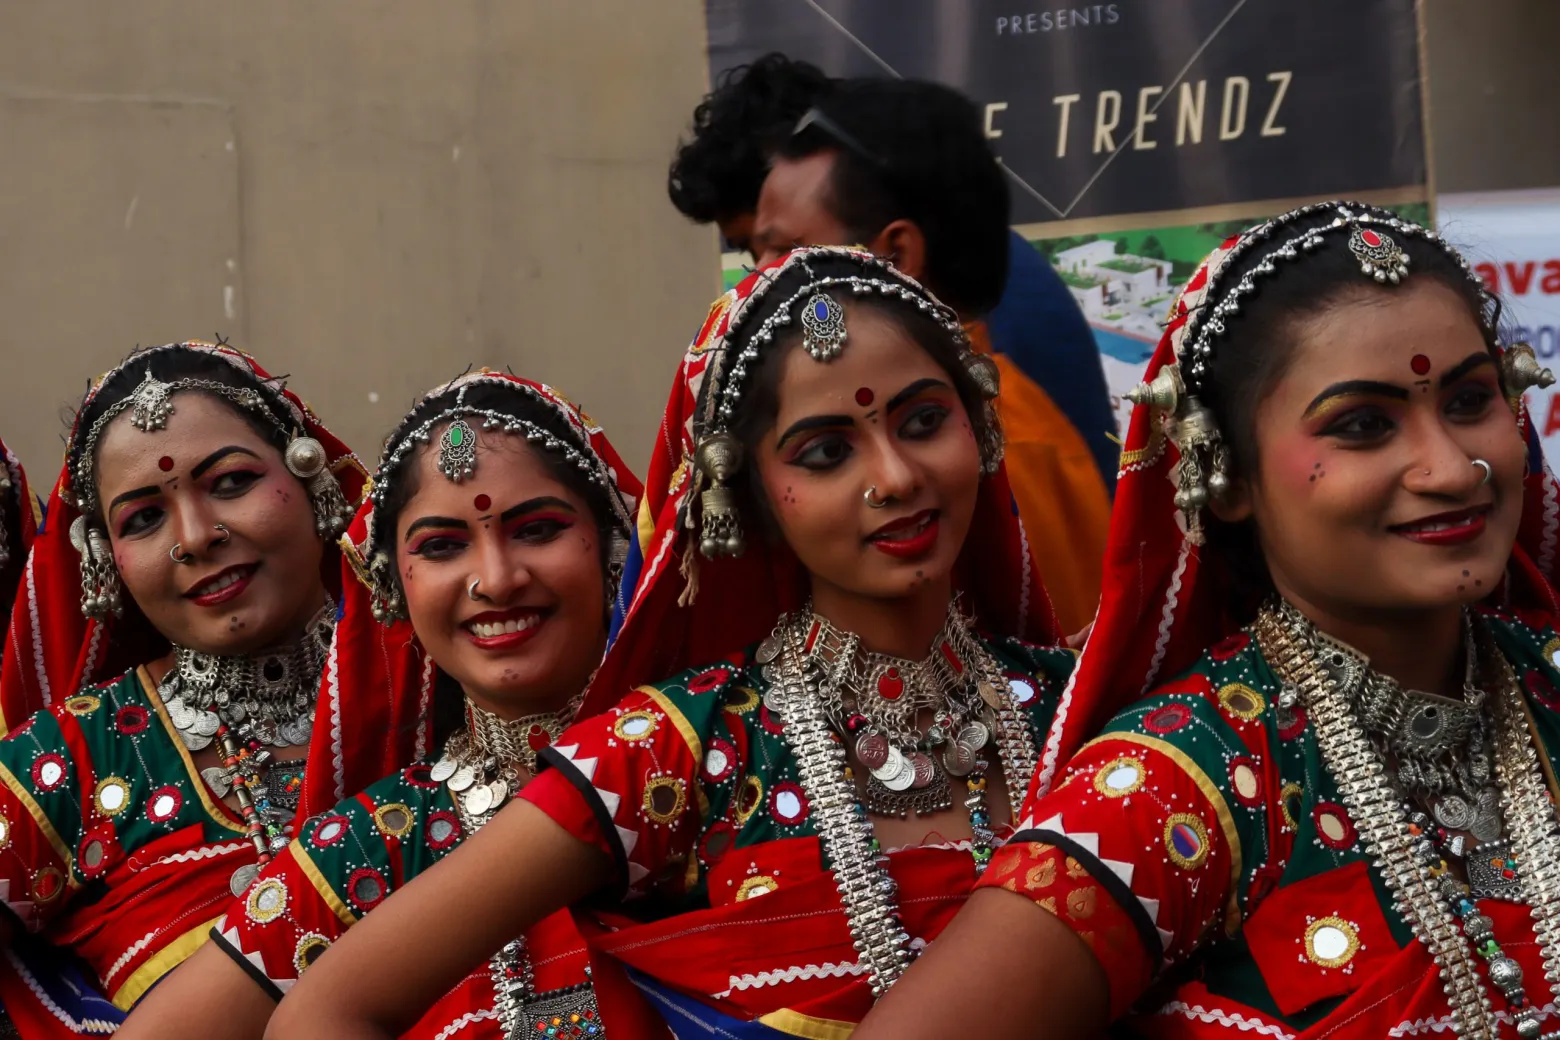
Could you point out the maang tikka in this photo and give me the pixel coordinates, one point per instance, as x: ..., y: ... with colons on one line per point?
x: 823, y: 327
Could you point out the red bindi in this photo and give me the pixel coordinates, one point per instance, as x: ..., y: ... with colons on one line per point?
x: 865, y: 396
x: 165, y: 463
x: 482, y: 502
x: 1420, y: 364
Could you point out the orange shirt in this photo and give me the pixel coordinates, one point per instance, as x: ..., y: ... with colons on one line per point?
x: 1061, y: 498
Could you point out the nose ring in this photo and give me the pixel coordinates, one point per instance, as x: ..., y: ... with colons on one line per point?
x: 226, y: 534
x: 173, y: 554
x: 1488, y: 472
x: 471, y: 590
x: 874, y: 503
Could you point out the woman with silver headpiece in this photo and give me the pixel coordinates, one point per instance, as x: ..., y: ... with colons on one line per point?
x: 1330, y: 568
x: 487, y: 562
x: 160, y: 697
x: 834, y: 577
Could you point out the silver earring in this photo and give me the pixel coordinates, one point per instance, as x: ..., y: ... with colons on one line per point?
x: 173, y: 554
x: 227, y: 535
x: 99, y: 577
x: 874, y: 503
x: 305, y: 459
x: 1488, y: 471
x: 471, y: 590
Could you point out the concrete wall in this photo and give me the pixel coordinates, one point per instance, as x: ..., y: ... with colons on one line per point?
x: 367, y: 194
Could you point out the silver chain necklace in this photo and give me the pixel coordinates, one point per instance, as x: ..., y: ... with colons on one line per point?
x: 481, y: 767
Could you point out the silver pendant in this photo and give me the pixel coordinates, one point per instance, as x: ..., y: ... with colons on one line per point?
x: 768, y: 650
x: 893, y: 765
x: 1453, y: 812
x: 242, y: 878
x: 206, y: 723
x: 1486, y: 819
x: 923, y: 772
x: 974, y: 735
x: 194, y: 741
x: 218, y: 779
x: 902, y: 780
x: 958, y: 760
x: 500, y: 791
x: 479, y: 799
x: 872, y: 749
x: 442, y: 770
x: 462, y: 778
x: 989, y: 694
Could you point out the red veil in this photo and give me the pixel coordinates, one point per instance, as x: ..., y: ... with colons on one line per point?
x: 53, y: 649
x: 1164, y: 601
x: 687, y: 610
x: 375, y: 709
x: 18, y: 514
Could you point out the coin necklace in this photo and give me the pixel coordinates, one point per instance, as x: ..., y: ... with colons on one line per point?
x: 247, y: 704
x: 1410, y: 849
x: 481, y: 767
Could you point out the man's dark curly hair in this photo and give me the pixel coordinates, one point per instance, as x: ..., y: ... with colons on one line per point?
x: 717, y: 174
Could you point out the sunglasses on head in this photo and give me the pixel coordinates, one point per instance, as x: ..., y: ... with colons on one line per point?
x: 815, y: 119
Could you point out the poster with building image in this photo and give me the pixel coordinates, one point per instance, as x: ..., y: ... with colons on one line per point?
x: 1138, y: 134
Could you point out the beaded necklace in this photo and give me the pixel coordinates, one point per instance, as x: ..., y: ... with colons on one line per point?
x: 481, y: 766
x: 1411, y: 851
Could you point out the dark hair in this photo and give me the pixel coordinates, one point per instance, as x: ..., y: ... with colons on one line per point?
x: 171, y: 364
x: 917, y: 151
x: 717, y: 174
x: 508, y: 399
x: 760, y: 400
x: 1259, y: 341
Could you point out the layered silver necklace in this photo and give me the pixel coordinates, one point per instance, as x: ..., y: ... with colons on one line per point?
x: 481, y: 766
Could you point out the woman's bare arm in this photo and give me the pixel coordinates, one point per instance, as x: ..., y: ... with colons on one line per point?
x: 380, y: 977
x: 208, y: 991
x: 1002, y: 952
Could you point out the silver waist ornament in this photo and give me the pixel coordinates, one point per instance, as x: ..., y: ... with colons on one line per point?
x: 866, y: 890
x: 481, y: 767
x: 1433, y: 902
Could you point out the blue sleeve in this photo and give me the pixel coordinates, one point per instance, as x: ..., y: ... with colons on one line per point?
x: 1038, y: 325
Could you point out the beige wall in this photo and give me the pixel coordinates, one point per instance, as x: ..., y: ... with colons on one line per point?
x: 367, y: 195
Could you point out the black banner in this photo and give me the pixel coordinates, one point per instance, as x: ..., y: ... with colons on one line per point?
x: 1137, y: 105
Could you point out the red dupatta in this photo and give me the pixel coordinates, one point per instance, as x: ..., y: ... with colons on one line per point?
x: 375, y: 709
x: 53, y: 649
x: 687, y: 610
x: 19, y: 517
x: 1164, y: 600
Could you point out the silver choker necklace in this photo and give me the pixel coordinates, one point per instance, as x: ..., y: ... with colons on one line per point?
x: 481, y: 763
x: 268, y: 697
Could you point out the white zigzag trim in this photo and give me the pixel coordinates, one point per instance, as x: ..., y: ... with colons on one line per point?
x: 1053, y: 737
x: 1546, y: 546
x: 1413, y: 1027
x: 124, y: 958
x: 338, y: 761
x: 91, y: 1027
x: 93, y: 646
x: 37, y: 632
x: 463, y: 1021
x: 424, y: 707
x: 1224, y: 1018
x: 1023, y: 589
x: 1167, y: 618
x: 205, y: 853
x: 827, y: 970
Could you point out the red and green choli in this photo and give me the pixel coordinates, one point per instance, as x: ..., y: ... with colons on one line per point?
x: 1200, y: 848
x: 690, y: 786
x: 347, y: 861
x: 112, y: 847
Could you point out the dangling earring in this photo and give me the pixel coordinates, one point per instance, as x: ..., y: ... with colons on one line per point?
x: 1202, y: 473
x: 305, y: 458
x: 992, y: 442
x: 99, y: 577
x: 384, y: 597
x: 1520, y: 371
x: 718, y: 458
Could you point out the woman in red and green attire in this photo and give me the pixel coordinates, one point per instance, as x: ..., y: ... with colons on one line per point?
x: 834, y: 578
x: 1330, y: 573
x: 18, y: 524
x: 489, y: 552
x: 160, y: 687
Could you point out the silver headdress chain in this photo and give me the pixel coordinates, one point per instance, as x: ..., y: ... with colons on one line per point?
x: 817, y: 305
x: 150, y: 406
x: 457, y: 460
x: 1203, y: 471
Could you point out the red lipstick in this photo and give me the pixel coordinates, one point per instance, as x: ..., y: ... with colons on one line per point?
x: 503, y: 630
x: 224, y: 586
x: 1445, y: 529
x: 908, y: 538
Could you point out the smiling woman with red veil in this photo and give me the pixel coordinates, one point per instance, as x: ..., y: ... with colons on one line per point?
x: 835, y: 579
x: 1322, y: 801
x: 171, y: 630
